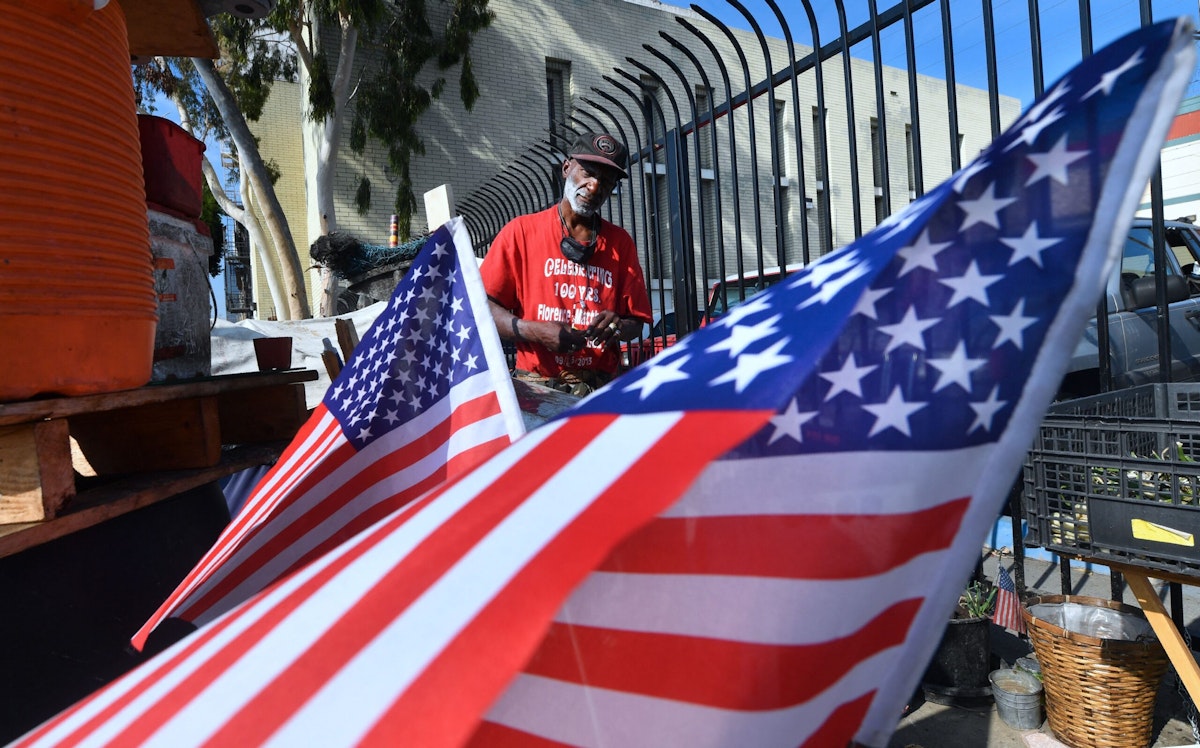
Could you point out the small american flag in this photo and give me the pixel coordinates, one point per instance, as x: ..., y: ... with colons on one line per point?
x: 1008, y: 605
x: 753, y: 539
x: 425, y: 398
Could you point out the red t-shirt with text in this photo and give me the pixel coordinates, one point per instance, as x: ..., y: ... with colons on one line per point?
x: 525, y: 271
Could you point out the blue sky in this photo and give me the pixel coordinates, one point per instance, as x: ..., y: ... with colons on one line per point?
x: 1060, y: 31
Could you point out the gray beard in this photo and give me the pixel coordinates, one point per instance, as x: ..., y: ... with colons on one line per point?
x: 570, y: 194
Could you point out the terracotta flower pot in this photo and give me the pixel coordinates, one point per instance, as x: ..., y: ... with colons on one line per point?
x: 273, y: 353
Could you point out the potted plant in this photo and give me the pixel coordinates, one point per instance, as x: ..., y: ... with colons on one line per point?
x: 958, y: 672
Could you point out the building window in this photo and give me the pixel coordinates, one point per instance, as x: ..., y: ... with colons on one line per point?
x: 877, y: 171
x: 912, y: 174
x: 712, y: 221
x: 780, y: 144
x: 785, y: 201
x: 822, y: 195
x: 558, y: 86
x: 706, y: 151
x: 818, y: 148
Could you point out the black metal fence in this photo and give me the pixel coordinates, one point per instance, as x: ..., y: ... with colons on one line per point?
x: 738, y: 177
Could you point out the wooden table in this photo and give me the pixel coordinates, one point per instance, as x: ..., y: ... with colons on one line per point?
x: 67, y: 463
x: 1164, y: 628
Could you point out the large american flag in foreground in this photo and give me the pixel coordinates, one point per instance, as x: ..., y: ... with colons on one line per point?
x: 755, y: 539
x: 425, y: 398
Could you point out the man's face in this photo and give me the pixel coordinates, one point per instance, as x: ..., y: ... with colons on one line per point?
x: 587, y: 185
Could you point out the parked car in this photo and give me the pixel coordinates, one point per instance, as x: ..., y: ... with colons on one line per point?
x: 662, y: 335
x: 1133, y: 311
x: 727, y: 293
x: 1132, y: 317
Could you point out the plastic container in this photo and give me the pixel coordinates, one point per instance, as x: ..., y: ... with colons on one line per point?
x: 1029, y: 665
x: 1018, y: 697
x: 1117, y: 477
x: 77, y: 306
x: 273, y: 353
x: 171, y: 162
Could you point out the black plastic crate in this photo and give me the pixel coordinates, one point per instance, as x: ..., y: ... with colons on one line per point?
x: 1117, y: 477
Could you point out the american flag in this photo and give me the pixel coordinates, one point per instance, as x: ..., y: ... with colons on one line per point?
x: 1008, y: 605
x: 425, y: 398
x: 754, y: 539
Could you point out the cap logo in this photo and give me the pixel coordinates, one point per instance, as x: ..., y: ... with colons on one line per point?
x: 605, y: 144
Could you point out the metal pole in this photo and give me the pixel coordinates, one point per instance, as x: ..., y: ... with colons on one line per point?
x: 716, y: 168
x: 951, y: 92
x: 800, y: 180
x: 654, y: 226
x: 671, y: 165
x: 851, y: 122
x: 635, y: 157
x: 758, y: 234
x: 773, y: 130
x: 733, y: 167
x: 695, y: 300
x: 683, y: 248
x: 884, y: 167
x: 910, y: 56
x: 822, y: 134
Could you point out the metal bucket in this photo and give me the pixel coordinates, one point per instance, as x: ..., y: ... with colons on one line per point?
x: 1018, y: 697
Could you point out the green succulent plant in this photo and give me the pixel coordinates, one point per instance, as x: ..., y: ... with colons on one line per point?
x: 977, y: 599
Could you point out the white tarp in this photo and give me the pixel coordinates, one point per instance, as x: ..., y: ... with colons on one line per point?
x: 233, y: 347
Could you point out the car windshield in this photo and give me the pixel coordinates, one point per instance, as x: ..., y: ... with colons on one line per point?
x: 729, y: 293
x: 1138, y: 258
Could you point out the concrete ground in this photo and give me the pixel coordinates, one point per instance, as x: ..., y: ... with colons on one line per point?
x: 931, y: 725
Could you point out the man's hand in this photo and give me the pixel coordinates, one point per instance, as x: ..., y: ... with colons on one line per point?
x: 569, y: 340
x: 553, y: 336
x: 607, y: 329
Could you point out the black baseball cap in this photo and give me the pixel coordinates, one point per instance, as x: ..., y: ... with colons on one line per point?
x: 600, y: 148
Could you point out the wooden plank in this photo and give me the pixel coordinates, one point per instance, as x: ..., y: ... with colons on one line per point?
x: 61, y: 407
x: 36, y: 476
x: 158, y: 436
x: 347, y: 337
x: 171, y: 28
x: 1184, y: 576
x: 333, y: 364
x: 1177, y: 650
x: 262, y: 415
x: 126, y: 495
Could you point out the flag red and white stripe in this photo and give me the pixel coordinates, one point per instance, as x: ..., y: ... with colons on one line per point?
x: 325, y: 487
x: 686, y: 616
x: 483, y: 562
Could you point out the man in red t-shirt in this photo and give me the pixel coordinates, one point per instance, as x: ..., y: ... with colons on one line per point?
x: 564, y: 284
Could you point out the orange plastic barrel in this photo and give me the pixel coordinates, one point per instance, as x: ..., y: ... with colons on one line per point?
x: 77, y: 305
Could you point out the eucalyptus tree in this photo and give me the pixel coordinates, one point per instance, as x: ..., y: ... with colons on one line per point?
x: 382, y: 101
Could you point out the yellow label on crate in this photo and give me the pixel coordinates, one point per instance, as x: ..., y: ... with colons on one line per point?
x: 1143, y: 530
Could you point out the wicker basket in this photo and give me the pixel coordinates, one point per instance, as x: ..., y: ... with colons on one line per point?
x: 1099, y: 692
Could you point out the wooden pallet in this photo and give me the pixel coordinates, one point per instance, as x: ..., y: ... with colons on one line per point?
x: 156, y: 435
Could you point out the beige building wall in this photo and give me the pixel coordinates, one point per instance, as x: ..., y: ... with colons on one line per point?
x: 466, y: 149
